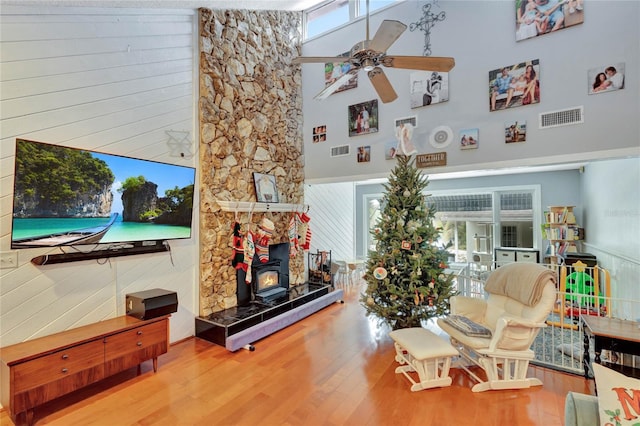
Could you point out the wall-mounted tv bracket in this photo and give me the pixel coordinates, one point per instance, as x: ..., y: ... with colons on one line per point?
x: 140, y: 247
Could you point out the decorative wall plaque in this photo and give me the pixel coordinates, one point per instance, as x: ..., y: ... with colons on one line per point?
x: 431, y: 160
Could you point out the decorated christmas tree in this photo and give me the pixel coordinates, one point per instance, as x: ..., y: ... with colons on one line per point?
x: 406, y: 282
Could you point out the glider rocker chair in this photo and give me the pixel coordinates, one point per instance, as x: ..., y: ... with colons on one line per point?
x: 496, y: 333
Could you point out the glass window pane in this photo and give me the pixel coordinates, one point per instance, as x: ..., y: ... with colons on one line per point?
x: 516, y: 219
x: 327, y: 17
x: 373, y: 5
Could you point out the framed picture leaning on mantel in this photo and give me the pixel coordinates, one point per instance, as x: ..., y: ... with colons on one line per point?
x: 266, y: 189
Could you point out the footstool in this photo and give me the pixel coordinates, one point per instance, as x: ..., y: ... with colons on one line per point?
x: 425, y: 353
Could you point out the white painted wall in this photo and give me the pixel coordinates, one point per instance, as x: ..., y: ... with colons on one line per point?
x: 480, y: 35
x: 611, y: 206
x: 112, y: 80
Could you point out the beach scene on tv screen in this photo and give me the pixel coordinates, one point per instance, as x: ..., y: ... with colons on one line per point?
x: 67, y: 196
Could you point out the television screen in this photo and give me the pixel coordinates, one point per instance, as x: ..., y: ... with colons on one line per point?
x: 67, y: 196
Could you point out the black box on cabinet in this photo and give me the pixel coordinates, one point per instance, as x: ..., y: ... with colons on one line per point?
x: 151, y: 303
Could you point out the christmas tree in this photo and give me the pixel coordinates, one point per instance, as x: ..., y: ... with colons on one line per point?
x: 406, y: 282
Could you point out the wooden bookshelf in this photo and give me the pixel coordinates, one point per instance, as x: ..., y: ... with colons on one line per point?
x: 561, y: 231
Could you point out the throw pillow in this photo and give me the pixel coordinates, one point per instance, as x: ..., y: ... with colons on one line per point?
x: 467, y: 326
x: 618, y: 397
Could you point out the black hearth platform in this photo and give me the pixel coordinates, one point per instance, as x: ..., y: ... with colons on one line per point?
x: 240, y: 326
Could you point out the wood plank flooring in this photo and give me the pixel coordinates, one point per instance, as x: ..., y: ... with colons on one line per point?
x: 335, y: 367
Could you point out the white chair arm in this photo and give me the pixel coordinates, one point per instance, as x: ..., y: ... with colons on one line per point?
x: 513, y: 333
x: 470, y: 307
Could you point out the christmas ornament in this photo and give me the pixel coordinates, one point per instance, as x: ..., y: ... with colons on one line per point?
x: 370, y: 301
x: 406, y: 193
x: 406, y: 245
x: 380, y: 273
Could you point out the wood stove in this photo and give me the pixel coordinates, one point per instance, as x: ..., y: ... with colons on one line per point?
x: 267, y: 281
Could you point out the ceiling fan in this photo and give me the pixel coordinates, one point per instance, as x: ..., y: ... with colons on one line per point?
x: 370, y: 54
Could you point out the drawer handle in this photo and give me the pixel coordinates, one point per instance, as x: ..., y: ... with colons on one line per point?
x: 139, y: 343
x: 65, y: 356
x: 64, y: 370
x: 139, y: 332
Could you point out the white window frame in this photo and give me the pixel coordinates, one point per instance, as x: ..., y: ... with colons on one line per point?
x: 536, y: 206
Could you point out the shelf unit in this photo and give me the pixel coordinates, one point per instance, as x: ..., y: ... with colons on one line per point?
x: 561, y: 231
x: 248, y: 206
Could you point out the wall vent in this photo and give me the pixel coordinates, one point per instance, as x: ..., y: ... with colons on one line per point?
x: 339, y: 151
x: 564, y: 117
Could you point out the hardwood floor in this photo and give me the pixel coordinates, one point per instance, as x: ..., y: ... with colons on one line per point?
x: 335, y: 367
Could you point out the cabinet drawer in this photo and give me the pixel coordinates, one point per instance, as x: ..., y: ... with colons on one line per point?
x: 58, y: 365
x: 505, y: 256
x: 527, y: 256
x: 136, y: 339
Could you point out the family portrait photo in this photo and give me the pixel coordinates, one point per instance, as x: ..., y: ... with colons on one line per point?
x: 606, y: 78
x: 514, y: 85
x: 319, y: 134
x: 538, y: 17
x: 334, y: 70
x: 469, y: 138
x: 428, y: 87
x: 515, y: 132
x: 363, y: 118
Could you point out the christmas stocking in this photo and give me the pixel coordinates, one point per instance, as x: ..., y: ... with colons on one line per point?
x: 265, y: 230
x: 304, y: 231
x: 293, y: 236
x: 249, y: 251
x: 237, y: 260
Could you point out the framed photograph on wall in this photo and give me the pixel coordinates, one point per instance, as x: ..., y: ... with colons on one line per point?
x: 469, y: 138
x: 428, y: 88
x: 266, y: 189
x: 538, y: 17
x: 364, y: 154
x: 319, y: 134
x: 515, y: 131
x: 606, y: 78
x: 514, y: 85
x: 390, y: 149
x: 334, y: 70
x: 363, y: 118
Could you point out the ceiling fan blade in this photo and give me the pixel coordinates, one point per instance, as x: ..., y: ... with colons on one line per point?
x: 388, y: 32
x: 321, y: 59
x: 426, y: 63
x: 382, y: 85
x: 336, y: 85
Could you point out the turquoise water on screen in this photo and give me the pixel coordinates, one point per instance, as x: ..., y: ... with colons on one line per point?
x: 119, y: 232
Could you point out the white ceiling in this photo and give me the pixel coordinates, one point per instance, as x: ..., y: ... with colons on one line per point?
x: 175, y: 4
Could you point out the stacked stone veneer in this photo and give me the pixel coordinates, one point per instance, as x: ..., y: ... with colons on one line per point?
x: 250, y: 110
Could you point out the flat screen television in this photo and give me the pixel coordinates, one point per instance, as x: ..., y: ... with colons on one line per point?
x: 66, y: 196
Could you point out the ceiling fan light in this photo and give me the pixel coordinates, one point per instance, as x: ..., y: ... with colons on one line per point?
x: 368, y: 65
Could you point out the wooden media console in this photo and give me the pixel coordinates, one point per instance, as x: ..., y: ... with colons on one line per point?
x: 42, y: 369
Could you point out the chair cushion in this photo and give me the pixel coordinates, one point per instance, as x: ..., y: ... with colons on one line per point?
x: 617, y: 397
x: 422, y: 343
x: 581, y: 410
x: 466, y: 326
